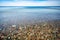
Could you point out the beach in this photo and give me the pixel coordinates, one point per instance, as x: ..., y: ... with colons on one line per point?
x: 30, y: 23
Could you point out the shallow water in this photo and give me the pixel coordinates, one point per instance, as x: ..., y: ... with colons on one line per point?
x: 24, y: 15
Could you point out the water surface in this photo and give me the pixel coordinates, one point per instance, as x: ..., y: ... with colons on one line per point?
x: 18, y: 15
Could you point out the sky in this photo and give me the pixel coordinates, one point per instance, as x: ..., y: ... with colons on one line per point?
x: 29, y: 2
x: 22, y: 0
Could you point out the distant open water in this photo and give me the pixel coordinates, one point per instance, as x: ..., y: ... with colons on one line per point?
x: 14, y: 14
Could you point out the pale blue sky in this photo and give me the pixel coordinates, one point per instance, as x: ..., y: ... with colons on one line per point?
x: 29, y: 0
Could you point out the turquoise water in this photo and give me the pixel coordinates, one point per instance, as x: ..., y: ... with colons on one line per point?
x: 17, y: 15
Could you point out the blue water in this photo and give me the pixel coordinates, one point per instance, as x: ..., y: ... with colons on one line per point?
x: 16, y: 15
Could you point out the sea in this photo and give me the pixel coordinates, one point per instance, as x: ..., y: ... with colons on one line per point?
x: 28, y: 14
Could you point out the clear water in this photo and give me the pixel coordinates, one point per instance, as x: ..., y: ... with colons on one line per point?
x: 18, y: 15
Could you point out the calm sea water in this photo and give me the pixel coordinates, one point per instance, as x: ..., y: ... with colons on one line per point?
x: 16, y: 15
